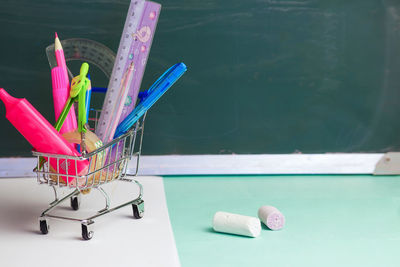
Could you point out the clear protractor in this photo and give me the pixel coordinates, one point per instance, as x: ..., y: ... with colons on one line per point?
x: 79, y: 49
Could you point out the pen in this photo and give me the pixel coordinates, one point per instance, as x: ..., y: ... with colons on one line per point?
x: 154, y: 93
x: 115, y: 110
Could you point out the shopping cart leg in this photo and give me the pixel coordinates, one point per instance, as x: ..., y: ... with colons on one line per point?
x: 87, y: 229
x: 76, y: 202
x: 44, y: 225
x: 138, y: 209
x: 55, y: 203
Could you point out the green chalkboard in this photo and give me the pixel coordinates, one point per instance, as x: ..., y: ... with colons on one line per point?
x: 264, y: 76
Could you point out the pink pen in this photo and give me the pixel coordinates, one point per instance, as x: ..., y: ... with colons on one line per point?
x: 60, y: 96
x: 61, y: 89
x: 123, y: 92
x: 42, y: 135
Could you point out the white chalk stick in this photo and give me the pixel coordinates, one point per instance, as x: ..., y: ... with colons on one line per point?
x: 236, y: 224
x: 271, y: 217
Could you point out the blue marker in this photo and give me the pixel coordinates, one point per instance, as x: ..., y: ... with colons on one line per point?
x: 153, y: 94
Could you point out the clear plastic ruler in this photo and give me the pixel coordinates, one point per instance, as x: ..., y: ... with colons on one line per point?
x: 133, y: 51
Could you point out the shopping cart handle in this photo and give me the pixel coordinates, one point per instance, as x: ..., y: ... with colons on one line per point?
x: 143, y: 95
x: 99, y: 90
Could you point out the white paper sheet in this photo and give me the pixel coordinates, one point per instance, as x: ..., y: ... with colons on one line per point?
x: 119, y: 239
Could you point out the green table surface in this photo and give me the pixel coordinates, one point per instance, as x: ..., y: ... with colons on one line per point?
x: 338, y: 220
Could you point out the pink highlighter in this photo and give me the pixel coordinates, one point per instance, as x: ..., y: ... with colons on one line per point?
x: 60, y: 96
x: 42, y: 135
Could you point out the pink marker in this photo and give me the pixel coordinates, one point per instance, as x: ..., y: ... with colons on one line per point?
x: 42, y: 135
x: 61, y: 88
x: 60, y: 96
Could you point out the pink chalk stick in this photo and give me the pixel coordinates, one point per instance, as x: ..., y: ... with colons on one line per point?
x: 271, y: 217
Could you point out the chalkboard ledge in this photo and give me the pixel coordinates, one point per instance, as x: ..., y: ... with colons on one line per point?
x: 274, y: 164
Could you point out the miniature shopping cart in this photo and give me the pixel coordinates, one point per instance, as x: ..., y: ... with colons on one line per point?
x: 107, y: 164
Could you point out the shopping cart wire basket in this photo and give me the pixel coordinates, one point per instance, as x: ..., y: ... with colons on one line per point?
x: 109, y: 163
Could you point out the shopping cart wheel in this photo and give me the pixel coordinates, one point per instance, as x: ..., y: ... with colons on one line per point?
x: 44, y: 227
x: 75, y: 202
x: 86, y: 233
x: 138, y: 210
